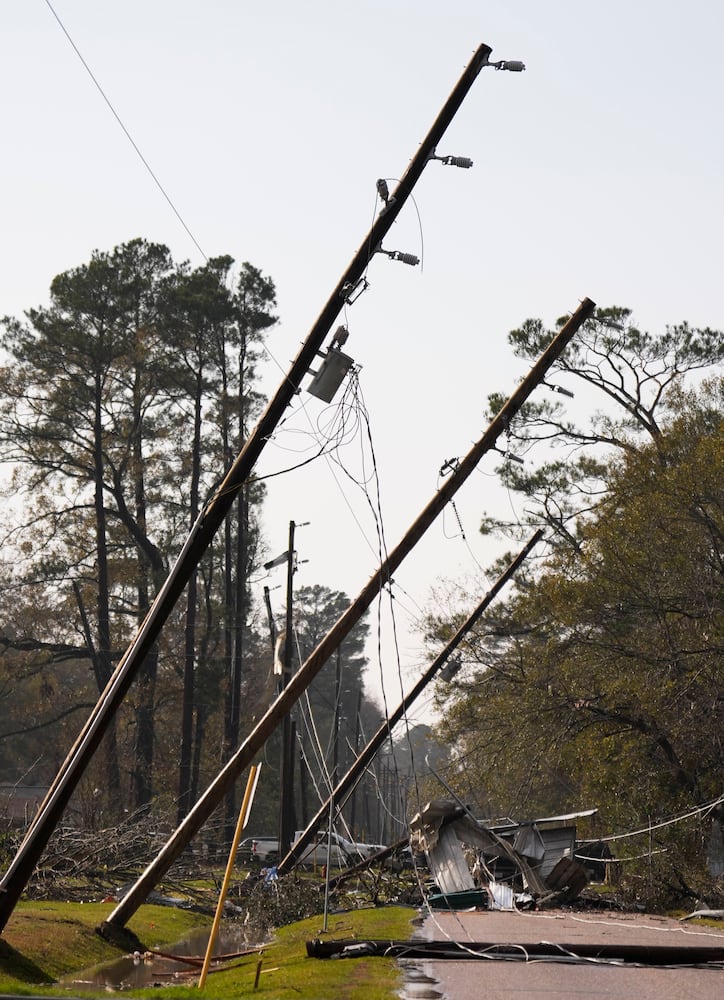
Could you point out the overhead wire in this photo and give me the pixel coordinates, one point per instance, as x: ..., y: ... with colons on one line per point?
x: 333, y: 458
x: 311, y: 730
x: 354, y: 394
x: 396, y: 180
x: 330, y: 449
x: 308, y: 720
x: 376, y: 507
x: 698, y: 811
x: 126, y: 132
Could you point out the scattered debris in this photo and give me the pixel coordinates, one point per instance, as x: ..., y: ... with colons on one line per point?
x: 538, y: 858
x: 567, y: 880
x: 705, y: 914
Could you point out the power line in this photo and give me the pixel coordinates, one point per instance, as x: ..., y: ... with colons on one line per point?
x: 128, y: 135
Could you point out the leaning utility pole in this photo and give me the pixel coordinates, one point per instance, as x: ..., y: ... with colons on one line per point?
x: 310, y: 668
x: 212, y: 516
x: 347, y: 783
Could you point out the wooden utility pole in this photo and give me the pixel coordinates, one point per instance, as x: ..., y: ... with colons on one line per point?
x: 335, y: 721
x: 286, y: 755
x: 321, y: 654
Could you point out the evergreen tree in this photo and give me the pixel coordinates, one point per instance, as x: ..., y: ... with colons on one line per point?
x: 112, y: 406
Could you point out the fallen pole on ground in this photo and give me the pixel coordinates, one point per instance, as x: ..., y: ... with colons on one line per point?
x: 644, y: 954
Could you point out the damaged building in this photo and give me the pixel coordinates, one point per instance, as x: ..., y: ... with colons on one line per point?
x: 499, y: 865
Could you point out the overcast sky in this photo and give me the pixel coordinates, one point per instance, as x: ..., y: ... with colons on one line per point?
x: 597, y: 173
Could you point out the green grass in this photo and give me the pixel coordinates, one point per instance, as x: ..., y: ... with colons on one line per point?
x: 44, y: 942
x: 291, y: 974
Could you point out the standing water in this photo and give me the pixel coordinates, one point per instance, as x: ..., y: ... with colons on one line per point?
x: 159, y: 967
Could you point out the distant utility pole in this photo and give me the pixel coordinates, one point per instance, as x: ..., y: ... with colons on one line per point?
x: 287, y: 816
x: 283, y: 666
x: 337, y: 696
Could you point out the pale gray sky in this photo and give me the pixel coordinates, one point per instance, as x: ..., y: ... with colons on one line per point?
x: 597, y: 173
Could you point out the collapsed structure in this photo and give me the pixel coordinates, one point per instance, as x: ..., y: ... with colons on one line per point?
x: 525, y: 863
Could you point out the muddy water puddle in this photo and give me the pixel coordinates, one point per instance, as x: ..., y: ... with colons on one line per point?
x: 164, y: 966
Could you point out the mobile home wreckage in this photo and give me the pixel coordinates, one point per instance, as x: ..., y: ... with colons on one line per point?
x: 497, y: 866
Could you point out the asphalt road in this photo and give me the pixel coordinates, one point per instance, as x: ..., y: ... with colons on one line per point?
x: 476, y: 979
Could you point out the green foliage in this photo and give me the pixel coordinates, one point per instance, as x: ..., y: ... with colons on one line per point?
x: 601, y: 684
x: 121, y: 403
x: 629, y: 379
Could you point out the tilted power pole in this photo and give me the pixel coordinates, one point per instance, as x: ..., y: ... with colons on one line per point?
x: 348, y: 781
x: 212, y: 516
x: 244, y: 756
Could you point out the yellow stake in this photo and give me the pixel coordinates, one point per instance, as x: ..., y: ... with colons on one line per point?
x: 241, y: 823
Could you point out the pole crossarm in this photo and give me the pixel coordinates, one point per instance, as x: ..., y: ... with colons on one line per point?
x: 212, y: 516
x: 346, y: 622
x: 365, y: 758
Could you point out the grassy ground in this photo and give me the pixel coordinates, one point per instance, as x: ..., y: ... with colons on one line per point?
x: 44, y: 942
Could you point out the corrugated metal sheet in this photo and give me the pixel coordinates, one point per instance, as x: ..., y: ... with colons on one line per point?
x: 559, y: 842
x: 448, y: 864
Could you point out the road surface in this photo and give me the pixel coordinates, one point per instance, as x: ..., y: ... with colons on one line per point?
x: 484, y: 979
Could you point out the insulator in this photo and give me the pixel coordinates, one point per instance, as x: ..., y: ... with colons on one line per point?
x: 406, y: 258
x: 459, y: 161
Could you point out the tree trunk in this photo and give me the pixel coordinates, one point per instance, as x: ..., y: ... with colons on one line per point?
x: 113, y: 778
x: 189, y: 686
